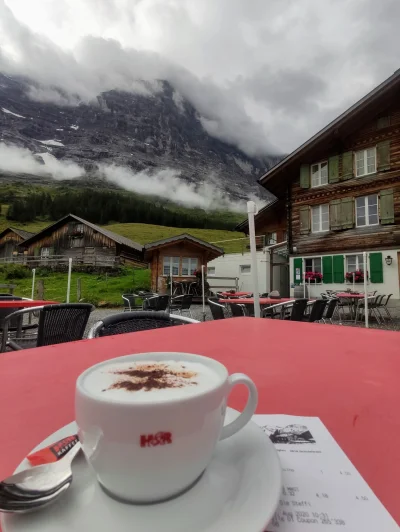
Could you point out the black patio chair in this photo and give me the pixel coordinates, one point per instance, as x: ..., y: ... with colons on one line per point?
x: 378, y: 304
x: 249, y: 309
x: 384, y: 306
x: 298, y: 309
x: 130, y: 302
x: 360, y: 308
x: 181, y: 304
x: 238, y: 311
x: 275, y: 311
x: 127, y: 322
x: 330, y: 309
x: 57, y: 324
x: 317, y: 311
x: 217, y: 310
x: 156, y: 303
x: 16, y: 322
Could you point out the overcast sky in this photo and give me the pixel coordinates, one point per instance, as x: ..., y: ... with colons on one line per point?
x: 263, y: 74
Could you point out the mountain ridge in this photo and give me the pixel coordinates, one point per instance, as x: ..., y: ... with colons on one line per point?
x: 147, y: 131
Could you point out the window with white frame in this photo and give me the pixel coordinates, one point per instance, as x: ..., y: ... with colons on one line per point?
x: 167, y: 265
x: 245, y: 269
x: 367, y: 210
x: 313, y: 264
x: 320, y: 218
x: 355, y: 263
x: 365, y: 162
x: 189, y: 266
x: 45, y: 253
x: 210, y: 270
x: 272, y: 238
x: 319, y: 174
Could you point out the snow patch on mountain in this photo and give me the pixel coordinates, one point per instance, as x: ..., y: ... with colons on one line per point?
x: 8, y: 112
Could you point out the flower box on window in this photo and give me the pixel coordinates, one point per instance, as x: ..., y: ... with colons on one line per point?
x: 313, y: 277
x: 358, y: 276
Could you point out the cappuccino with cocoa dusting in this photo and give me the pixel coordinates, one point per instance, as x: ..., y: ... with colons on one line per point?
x: 148, y: 381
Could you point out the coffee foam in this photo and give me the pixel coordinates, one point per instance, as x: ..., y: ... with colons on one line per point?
x: 147, y: 381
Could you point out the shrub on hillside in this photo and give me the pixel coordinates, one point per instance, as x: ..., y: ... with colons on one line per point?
x: 14, y: 271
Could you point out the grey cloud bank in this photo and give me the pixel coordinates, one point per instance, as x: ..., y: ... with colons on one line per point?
x: 164, y: 183
x: 263, y: 75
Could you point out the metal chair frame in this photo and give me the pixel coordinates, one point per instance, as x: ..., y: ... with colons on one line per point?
x: 42, y: 337
x: 219, y: 310
x: 130, y: 302
x: 159, y: 317
x: 185, y: 301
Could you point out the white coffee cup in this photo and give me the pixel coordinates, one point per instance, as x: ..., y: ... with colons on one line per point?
x: 155, y: 448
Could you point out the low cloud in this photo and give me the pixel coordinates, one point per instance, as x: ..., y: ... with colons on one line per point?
x: 165, y: 183
x: 22, y: 161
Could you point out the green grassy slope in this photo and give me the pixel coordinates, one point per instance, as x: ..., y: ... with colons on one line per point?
x: 145, y: 233
x: 101, y: 290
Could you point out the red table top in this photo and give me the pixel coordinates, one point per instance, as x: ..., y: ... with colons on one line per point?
x: 299, y: 369
x: 229, y: 294
x: 250, y: 301
x: 351, y: 296
x: 24, y: 303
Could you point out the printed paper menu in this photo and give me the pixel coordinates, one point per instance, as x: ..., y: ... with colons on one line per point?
x: 322, y: 490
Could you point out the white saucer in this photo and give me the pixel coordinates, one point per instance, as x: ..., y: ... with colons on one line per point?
x: 239, y: 491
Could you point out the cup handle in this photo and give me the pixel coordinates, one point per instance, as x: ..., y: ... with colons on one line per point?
x: 246, y: 415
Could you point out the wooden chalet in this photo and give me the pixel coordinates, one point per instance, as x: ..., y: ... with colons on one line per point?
x: 270, y: 223
x: 10, y: 239
x: 342, y: 189
x: 186, y: 253
x: 84, y: 242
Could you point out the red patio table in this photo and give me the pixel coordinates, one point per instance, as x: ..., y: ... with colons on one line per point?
x: 350, y: 296
x: 236, y: 294
x: 250, y: 301
x: 25, y: 303
x: 299, y: 369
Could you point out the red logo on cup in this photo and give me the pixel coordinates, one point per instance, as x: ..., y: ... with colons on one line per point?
x: 152, y: 440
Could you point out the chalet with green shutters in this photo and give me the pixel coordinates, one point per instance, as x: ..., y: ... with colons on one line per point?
x: 342, y: 192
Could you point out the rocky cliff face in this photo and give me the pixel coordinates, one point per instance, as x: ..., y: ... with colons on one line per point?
x: 153, y: 130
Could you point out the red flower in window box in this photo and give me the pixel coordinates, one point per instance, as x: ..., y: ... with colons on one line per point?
x: 358, y: 276
x: 313, y: 277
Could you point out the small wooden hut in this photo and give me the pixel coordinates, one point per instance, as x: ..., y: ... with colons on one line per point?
x: 186, y: 254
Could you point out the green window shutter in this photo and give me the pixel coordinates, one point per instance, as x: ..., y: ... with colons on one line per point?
x: 387, y: 206
x: 376, y: 268
x: 297, y: 265
x: 338, y: 268
x: 51, y: 251
x: 334, y: 215
x: 304, y: 220
x: 36, y: 252
x: 347, y: 213
x: 383, y: 155
x: 347, y: 165
x: 305, y: 176
x: 333, y: 169
x: 327, y: 269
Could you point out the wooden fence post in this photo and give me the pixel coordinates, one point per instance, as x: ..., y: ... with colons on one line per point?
x: 40, y: 289
x: 78, y: 289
